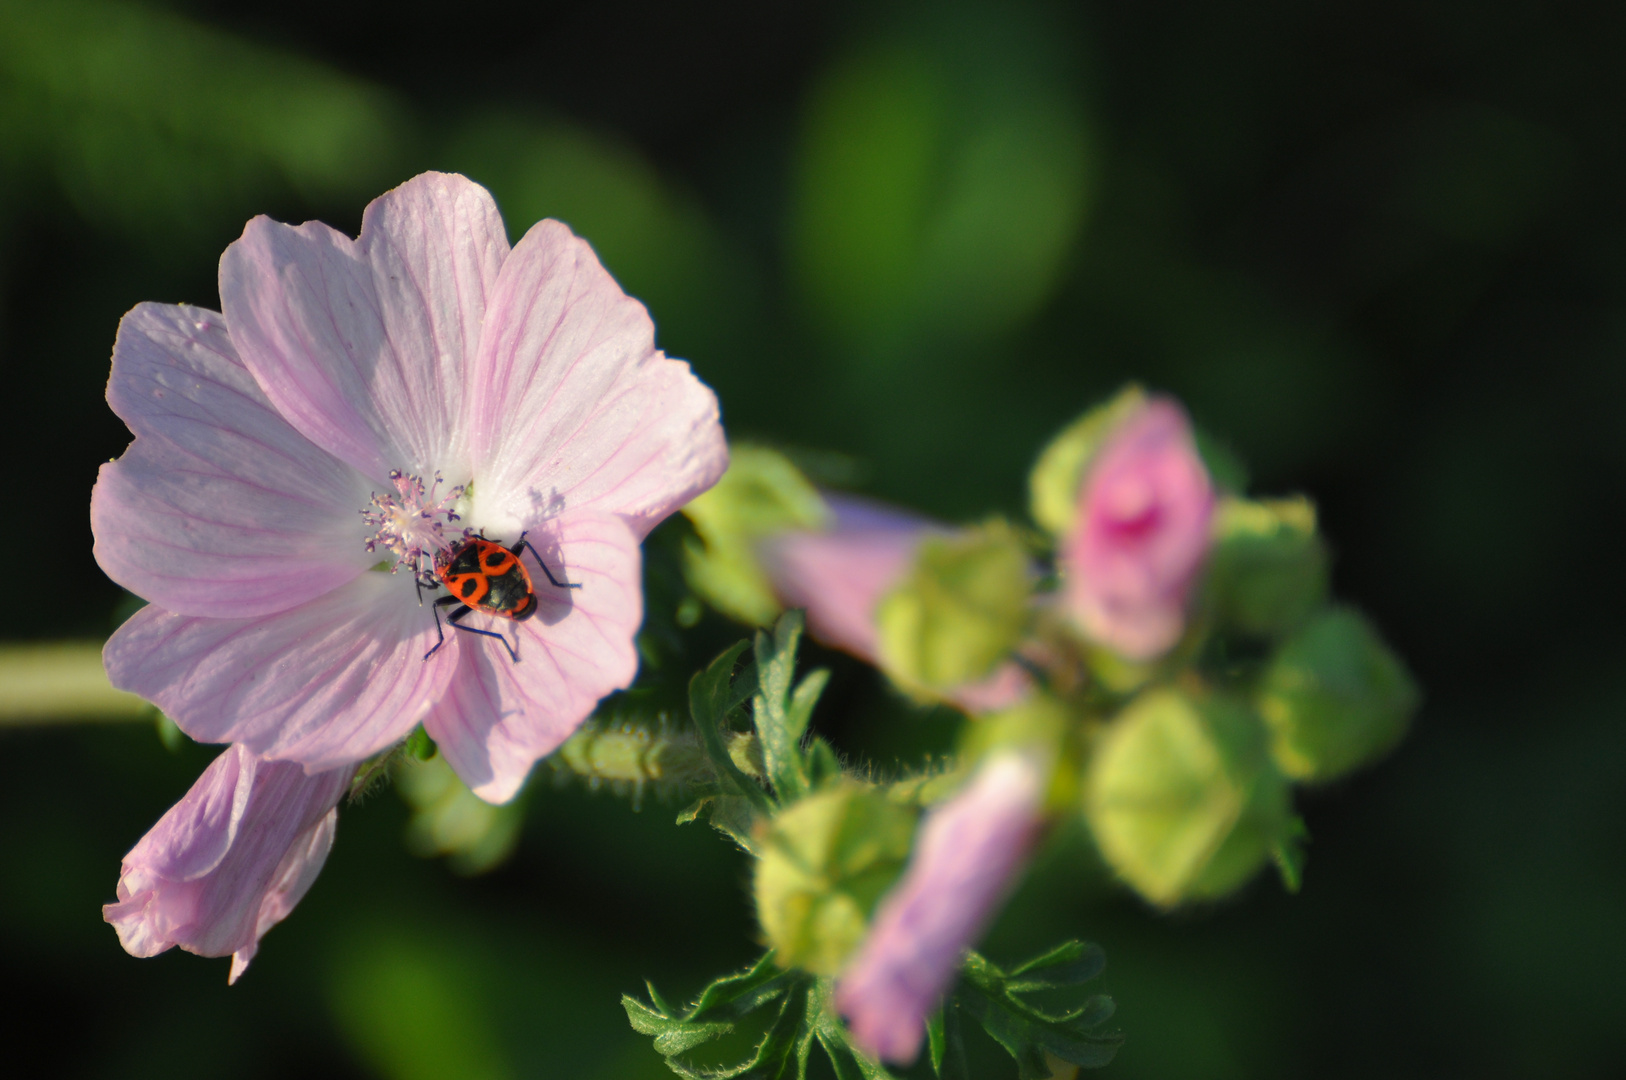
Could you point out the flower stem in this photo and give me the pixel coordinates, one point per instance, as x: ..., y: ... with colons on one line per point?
x: 61, y: 682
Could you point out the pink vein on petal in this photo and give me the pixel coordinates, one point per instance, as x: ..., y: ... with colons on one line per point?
x: 181, y: 517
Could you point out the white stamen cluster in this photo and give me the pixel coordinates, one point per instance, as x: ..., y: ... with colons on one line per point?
x: 413, y: 523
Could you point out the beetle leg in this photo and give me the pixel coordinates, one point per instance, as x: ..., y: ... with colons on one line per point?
x: 440, y: 633
x: 555, y: 582
x: 456, y: 616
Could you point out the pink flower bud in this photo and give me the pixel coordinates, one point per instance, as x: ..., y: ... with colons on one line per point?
x: 1140, y: 533
x: 841, y: 574
x: 230, y: 860
x: 966, y: 859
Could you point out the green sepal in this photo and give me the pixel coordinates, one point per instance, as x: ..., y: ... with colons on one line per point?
x: 1028, y: 1032
x: 823, y: 765
x: 419, y: 746
x: 1053, y: 484
x: 761, y: 494
x: 1268, y: 568
x: 1182, y: 797
x: 962, y: 608
x: 1335, y: 697
x: 826, y: 862
x: 370, y: 774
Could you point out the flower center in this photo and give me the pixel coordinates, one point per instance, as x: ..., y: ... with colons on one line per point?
x: 413, y: 523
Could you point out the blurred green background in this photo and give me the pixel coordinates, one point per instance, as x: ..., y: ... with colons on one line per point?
x: 1376, y: 246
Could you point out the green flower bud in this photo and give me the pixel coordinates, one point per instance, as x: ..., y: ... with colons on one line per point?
x: 1053, y: 483
x: 961, y: 610
x: 761, y: 494
x: 827, y: 860
x: 1182, y: 797
x: 1268, y: 567
x: 449, y: 819
x: 1335, y: 697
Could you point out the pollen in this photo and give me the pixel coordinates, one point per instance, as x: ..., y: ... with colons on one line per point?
x: 415, y: 522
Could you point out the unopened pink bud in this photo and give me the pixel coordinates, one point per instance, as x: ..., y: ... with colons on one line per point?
x: 1140, y: 533
x: 230, y: 860
x: 966, y: 859
x: 841, y: 574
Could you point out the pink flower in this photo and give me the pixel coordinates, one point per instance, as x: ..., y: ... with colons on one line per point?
x: 362, y: 405
x: 841, y: 574
x: 229, y: 861
x: 1140, y: 533
x: 967, y: 856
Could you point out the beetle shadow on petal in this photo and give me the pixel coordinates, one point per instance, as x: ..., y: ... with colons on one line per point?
x: 553, y: 601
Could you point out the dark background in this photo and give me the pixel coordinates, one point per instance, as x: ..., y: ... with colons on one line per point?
x: 1377, y: 247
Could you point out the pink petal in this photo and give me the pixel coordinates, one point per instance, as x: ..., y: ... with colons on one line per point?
x: 229, y: 860
x: 967, y: 856
x: 219, y: 507
x: 1140, y: 534
x: 570, y: 404
x: 498, y: 717
x: 364, y: 345
x: 198, y: 831
x: 328, y: 683
x: 293, y: 878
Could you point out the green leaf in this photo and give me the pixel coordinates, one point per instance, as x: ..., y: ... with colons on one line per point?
x: 710, y: 693
x: 1066, y: 965
x: 782, y: 714
x: 849, y: 1062
x: 939, y: 181
x: 1290, y: 855
x: 799, y: 709
x: 166, y: 129
x: 801, y: 1018
x: 953, y: 1065
x: 1028, y: 1032
x: 743, y: 991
